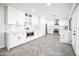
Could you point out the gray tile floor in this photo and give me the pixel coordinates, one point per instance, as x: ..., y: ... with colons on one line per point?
x: 48, y: 45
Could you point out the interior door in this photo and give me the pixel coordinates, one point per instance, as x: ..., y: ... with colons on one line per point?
x: 78, y: 31
x: 78, y: 34
x: 74, y: 32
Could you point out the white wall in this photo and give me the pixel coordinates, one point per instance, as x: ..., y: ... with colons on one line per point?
x: 63, y: 22
x: 2, y: 27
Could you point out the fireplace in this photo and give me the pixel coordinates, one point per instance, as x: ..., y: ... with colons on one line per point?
x: 30, y: 34
x: 56, y: 31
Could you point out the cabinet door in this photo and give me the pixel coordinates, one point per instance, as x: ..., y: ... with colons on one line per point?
x: 12, y: 40
x: 21, y: 37
x: 42, y: 30
x: 50, y: 29
x: 20, y: 17
x: 12, y: 15
x: 16, y: 39
x: 15, y: 16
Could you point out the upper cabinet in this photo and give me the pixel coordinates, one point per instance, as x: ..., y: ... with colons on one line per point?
x: 20, y: 17
x: 14, y: 16
x: 35, y: 21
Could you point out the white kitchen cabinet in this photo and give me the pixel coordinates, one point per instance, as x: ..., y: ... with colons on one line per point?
x: 35, y: 21
x: 21, y: 17
x: 15, y: 38
x: 14, y: 16
x: 65, y: 36
x: 11, y: 15
x: 50, y: 29
x: 42, y: 30
x: 17, y: 34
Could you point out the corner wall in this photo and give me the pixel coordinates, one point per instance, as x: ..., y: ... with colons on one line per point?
x: 2, y: 27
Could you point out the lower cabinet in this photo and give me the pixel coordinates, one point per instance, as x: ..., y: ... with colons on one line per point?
x: 65, y: 36
x: 15, y: 39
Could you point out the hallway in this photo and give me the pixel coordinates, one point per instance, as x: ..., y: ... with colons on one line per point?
x: 48, y: 45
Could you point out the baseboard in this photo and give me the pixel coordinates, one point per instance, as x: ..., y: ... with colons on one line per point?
x: 50, y: 33
x: 2, y: 46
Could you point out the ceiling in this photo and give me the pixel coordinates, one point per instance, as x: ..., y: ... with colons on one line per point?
x: 55, y: 10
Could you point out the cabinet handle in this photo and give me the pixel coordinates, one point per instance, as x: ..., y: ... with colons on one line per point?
x: 19, y: 37
x: 74, y: 34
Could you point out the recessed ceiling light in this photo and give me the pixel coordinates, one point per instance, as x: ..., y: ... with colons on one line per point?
x: 27, y: 9
x: 45, y: 16
x: 55, y: 14
x: 33, y: 10
x: 48, y: 4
